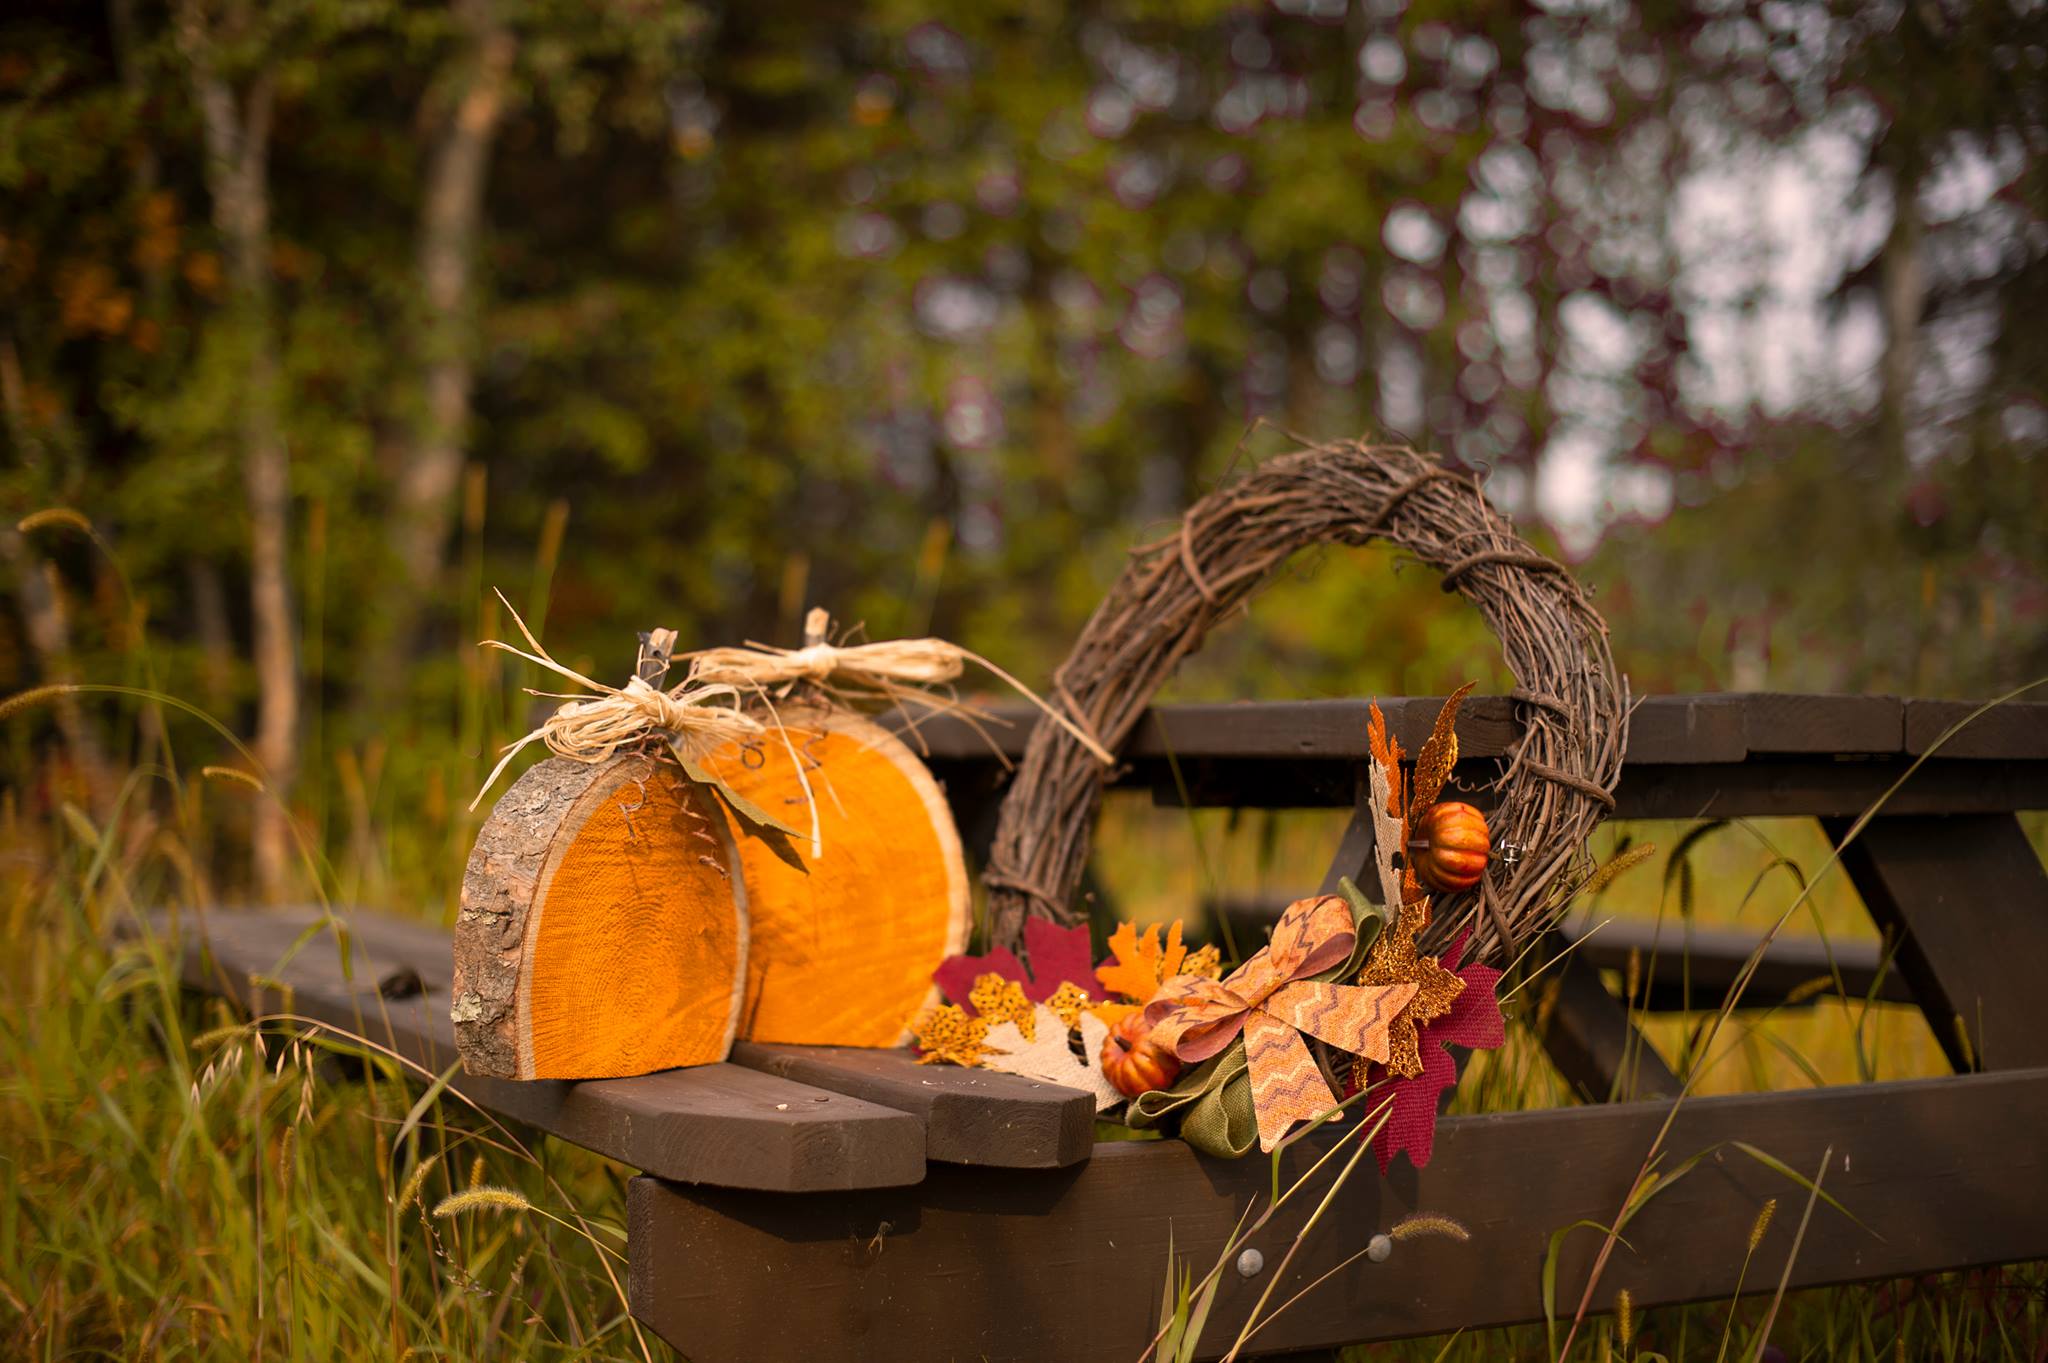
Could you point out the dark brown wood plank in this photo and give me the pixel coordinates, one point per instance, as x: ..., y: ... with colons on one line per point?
x: 1662, y: 729
x: 970, y: 1116
x: 1687, y: 729
x: 1681, y: 972
x: 1594, y: 1042
x: 1782, y: 722
x: 2016, y: 730
x: 1763, y: 787
x: 1068, y: 1264
x: 1760, y: 787
x: 719, y: 1124
x: 1693, y: 971
x: 1969, y: 899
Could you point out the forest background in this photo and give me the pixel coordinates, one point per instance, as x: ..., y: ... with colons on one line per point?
x: 332, y: 315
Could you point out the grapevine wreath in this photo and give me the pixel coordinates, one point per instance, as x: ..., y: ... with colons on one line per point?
x: 1555, y: 786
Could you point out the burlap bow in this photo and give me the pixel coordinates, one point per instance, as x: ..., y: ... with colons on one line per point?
x: 1272, y: 999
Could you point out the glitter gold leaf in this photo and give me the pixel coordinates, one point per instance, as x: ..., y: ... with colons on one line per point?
x: 1003, y: 1000
x: 1393, y: 960
x: 949, y: 1036
x: 1067, y: 1003
x: 1433, y: 764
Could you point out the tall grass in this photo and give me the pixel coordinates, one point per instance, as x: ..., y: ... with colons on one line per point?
x: 178, y: 1181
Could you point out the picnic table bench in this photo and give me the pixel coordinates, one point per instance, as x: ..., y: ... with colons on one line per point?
x: 795, y: 1200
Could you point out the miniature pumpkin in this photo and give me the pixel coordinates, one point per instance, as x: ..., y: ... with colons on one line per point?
x: 1451, y: 847
x: 1133, y: 1062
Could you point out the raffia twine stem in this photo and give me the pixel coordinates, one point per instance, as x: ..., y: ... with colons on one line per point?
x: 1572, y: 705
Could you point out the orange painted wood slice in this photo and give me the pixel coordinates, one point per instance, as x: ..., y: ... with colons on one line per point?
x: 844, y: 944
x: 603, y: 929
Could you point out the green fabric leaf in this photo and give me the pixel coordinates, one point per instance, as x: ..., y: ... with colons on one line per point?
x: 1211, y: 1105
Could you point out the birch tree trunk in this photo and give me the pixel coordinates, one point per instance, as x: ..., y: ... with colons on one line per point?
x: 237, y: 133
x: 451, y: 213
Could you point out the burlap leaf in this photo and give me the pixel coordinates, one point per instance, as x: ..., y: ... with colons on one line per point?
x: 1049, y: 1057
x: 1389, y: 835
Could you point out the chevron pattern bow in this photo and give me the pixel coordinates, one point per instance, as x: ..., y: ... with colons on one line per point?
x: 1271, y: 1000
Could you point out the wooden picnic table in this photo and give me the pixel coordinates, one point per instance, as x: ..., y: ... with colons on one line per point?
x: 799, y: 1202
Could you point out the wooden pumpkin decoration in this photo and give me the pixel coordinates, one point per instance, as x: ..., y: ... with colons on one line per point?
x: 843, y: 943
x: 603, y: 929
x: 1133, y: 1062
x: 1450, y: 847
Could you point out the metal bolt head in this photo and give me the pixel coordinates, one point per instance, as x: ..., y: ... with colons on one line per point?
x: 1249, y: 1263
x: 1379, y: 1249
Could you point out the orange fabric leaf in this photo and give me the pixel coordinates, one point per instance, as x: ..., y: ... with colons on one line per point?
x: 1142, y: 961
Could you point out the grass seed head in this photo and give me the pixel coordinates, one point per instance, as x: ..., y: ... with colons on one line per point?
x: 482, y: 1199
x: 1763, y: 1222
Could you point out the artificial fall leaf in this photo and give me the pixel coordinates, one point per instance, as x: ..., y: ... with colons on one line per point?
x: 1049, y: 1055
x: 949, y: 1036
x: 1142, y: 963
x: 1398, y: 886
x: 1000, y: 1000
x: 1068, y: 1002
x: 1433, y: 764
x: 1058, y: 956
x: 1393, y: 960
x: 1474, y: 1021
x: 1208, y: 963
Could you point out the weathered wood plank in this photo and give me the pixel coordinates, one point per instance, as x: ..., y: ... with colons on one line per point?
x: 1683, y: 972
x: 1969, y: 898
x: 1662, y: 729
x: 970, y: 1116
x: 1686, y: 729
x: 717, y: 1124
x: 1772, y: 786
x: 981, y: 1265
x: 1782, y: 722
x: 1823, y: 786
x: 1594, y: 1042
x: 2014, y: 731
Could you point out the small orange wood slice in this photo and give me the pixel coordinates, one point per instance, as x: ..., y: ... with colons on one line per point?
x: 844, y: 944
x: 603, y: 930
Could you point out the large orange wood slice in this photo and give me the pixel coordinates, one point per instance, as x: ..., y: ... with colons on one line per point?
x: 603, y: 929
x: 844, y: 943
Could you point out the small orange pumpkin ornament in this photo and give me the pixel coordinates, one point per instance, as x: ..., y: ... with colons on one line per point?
x: 1133, y: 1062
x: 1451, y: 847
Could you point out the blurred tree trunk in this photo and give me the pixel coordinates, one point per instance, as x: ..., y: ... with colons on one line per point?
x: 431, y: 461
x: 1903, y: 278
x: 237, y: 132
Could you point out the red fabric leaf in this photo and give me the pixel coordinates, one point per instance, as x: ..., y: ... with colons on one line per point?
x: 1057, y: 955
x: 956, y: 976
x: 1473, y: 1022
x: 1411, y: 1125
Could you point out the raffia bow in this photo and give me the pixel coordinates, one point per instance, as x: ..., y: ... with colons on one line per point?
x: 699, y: 718
x: 702, y: 714
x: 1271, y: 1000
x: 896, y: 668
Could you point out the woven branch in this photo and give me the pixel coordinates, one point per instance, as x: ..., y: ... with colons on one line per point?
x: 1573, y: 709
